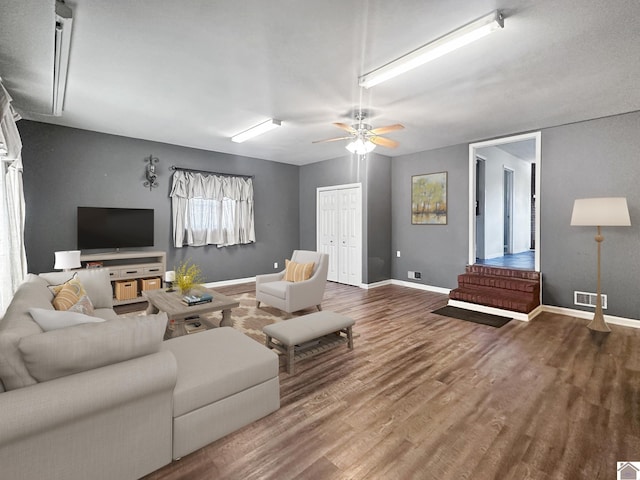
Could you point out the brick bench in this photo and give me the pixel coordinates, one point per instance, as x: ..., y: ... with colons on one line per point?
x: 309, y: 335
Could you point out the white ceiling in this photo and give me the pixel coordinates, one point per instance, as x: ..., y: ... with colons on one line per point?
x: 196, y: 72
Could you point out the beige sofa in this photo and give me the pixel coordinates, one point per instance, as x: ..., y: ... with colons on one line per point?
x: 111, y: 399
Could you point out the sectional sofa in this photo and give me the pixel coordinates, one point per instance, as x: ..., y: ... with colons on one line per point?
x: 111, y: 399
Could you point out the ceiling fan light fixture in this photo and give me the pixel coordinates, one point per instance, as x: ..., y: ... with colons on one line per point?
x: 256, y: 130
x: 361, y: 147
x: 451, y: 41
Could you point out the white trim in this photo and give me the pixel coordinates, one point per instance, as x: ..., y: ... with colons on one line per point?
x: 523, y: 317
x: 383, y: 283
x: 338, y: 187
x: 625, y: 322
x: 419, y: 286
x: 225, y: 283
x: 537, y: 136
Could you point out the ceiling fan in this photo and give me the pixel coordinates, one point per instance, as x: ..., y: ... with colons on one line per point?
x: 363, y: 137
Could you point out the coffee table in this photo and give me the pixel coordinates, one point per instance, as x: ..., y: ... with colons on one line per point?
x: 171, y: 302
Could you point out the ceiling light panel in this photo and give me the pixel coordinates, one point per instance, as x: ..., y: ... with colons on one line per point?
x: 256, y: 130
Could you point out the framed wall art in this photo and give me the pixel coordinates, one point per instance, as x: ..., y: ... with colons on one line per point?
x: 429, y: 199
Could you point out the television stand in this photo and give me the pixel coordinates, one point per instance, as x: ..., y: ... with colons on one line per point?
x: 129, y: 265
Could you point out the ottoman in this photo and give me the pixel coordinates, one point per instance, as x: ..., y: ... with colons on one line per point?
x: 309, y: 335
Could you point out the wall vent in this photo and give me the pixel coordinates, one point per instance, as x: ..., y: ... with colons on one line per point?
x: 587, y: 299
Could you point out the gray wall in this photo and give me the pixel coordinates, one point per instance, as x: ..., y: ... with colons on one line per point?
x: 597, y: 158
x: 439, y: 252
x: 373, y: 172
x: 65, y: 168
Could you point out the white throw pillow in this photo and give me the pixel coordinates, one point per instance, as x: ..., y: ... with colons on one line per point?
x: 55, y: 319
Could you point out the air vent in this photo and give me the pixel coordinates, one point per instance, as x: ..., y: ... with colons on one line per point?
x: 587, y: 299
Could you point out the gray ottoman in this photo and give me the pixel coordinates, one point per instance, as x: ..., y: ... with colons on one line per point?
x: 309, y: 335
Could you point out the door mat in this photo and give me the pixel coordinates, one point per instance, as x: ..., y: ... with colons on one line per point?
x: 471, y: 316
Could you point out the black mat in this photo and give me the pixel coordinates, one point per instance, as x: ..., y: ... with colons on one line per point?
x: 471, y: 316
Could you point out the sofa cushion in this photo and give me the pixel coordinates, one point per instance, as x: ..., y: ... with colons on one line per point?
x: 277, y: 289
x: 297, y: 272
x: 55, y: 319
x: 71, y: 350
x: 16, y: 324
x: 96, y: 282
x: 215, y: 364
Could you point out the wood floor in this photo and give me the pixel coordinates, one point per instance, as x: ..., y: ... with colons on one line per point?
x: 428, y: 397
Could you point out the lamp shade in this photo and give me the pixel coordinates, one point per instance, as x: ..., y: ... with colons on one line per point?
x: 170, y: 276
x: 66, y: 260
x: 601, y: 212
x: 361, y: 147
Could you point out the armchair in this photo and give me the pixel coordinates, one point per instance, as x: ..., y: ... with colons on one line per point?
x: 274, y: 290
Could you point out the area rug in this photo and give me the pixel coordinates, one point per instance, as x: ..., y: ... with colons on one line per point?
x: 471, y: 316
x: 246, y: 318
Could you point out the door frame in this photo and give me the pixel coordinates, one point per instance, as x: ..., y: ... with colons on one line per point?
x: 507, y: 205
x: 537, y: 136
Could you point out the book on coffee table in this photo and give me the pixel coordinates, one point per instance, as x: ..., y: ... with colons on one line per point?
x: 197, y: 298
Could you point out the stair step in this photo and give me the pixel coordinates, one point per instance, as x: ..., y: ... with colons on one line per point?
x: 506, y: 300
x: 503, y: 272
x: 504, y: 283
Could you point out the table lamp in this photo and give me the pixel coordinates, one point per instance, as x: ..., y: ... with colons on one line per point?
x: 66, y: 260
x: 600, y: 212
x: 169, y: 278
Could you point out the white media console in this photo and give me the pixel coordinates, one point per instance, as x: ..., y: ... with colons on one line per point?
x: 132, y: 266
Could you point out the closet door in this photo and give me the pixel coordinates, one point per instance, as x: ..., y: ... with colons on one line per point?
x: 339, y: 232
x: 349, y: 234
x: 327, y: 225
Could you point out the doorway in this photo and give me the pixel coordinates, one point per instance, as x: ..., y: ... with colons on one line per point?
x: 504, y: 180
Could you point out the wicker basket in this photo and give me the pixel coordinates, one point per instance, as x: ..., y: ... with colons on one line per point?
x: 150, y: 283
x: 126, y: 289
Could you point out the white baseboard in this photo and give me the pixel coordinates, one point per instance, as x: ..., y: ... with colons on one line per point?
x: 624, y: 322
x: 226, y: 283
x: 382, y: 283
x: 419, y: 286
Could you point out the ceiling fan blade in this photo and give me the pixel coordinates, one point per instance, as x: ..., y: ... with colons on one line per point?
x: 332, y: 139
x: 383, y: 142
x: 346, y: 127
x: 388, y: 128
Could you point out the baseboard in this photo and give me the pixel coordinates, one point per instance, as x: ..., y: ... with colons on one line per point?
x: 624, y: 322
x: 419, y: 286
x: 226, y: 283
x: 382, y: 283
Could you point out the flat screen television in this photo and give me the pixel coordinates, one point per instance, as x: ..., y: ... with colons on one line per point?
x: 114, y: 227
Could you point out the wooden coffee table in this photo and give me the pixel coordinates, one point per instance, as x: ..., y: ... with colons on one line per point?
x: 171, y: 302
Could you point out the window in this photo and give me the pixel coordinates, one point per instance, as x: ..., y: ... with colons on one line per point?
x: 211, y: 209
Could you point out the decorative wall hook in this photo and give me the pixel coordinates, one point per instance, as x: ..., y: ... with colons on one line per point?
x: 150, y: 172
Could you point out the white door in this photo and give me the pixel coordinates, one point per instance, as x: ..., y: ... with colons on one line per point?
x: 328, y: 230
x: 339, y: 232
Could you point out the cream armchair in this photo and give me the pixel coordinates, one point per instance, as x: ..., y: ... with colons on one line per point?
x: 274, y: 290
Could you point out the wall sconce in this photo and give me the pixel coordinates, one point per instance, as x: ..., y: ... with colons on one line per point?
x: 150, y: 173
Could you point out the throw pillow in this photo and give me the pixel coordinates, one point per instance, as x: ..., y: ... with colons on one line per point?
x: 76, y: 349
x: 56, y: 288
x: 55, y: 319
x: 83, y: 305
x: 297, y: 272
x: 70, y: 294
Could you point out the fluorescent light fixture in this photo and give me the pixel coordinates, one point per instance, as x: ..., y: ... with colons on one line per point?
x: 257, y: 130
x: 462, y: 36
x: 361, y: 147
x: 62, y: 46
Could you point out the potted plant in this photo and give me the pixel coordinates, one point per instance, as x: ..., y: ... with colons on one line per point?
x: 188, y: 276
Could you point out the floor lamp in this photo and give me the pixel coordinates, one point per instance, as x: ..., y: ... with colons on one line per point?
x: 600, y: 212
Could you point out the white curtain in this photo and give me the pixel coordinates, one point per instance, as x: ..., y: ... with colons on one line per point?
x: 211, y: 209
x: 13, y: 258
